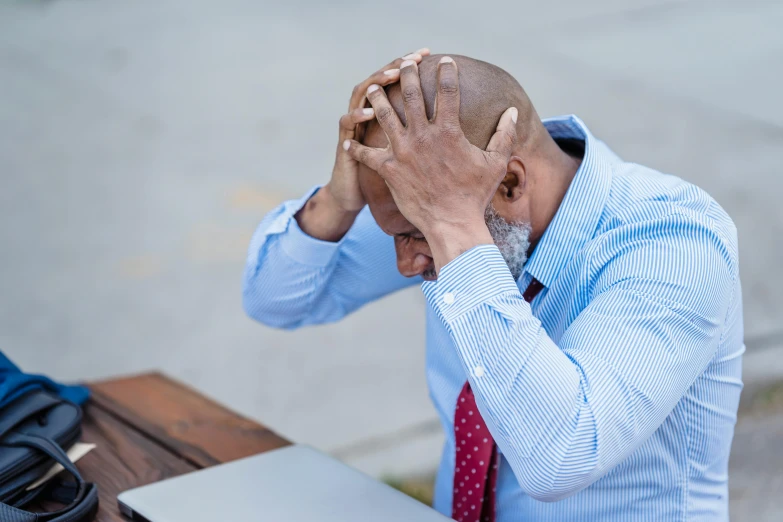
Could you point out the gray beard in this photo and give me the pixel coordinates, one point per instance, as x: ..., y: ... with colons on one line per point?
x: 511, y: 238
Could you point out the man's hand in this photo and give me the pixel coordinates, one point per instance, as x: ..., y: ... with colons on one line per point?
x: 440, y: 182
x: 344, y: 184
x: 331, y: 212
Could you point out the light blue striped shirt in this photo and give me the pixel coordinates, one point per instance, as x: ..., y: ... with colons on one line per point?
x: 613, y: 395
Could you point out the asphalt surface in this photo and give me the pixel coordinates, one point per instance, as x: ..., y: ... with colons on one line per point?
x: 141, y: 142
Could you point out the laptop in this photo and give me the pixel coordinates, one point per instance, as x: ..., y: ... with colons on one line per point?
x: 295, y: 483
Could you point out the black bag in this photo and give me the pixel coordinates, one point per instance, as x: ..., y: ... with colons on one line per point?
x: 34, y: 429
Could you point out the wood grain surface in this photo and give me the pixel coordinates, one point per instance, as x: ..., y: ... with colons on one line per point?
x: 182, y: 420
x: 149, y: 427
x: 123, y: 459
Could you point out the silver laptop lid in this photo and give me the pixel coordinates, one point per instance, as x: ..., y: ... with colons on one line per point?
x: 296, y: 484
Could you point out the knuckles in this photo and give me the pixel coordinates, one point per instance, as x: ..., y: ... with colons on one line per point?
x: 411, y: 94
x: 387, y: 169
x: 363, y: 155
x: 450, y: 130
x: 509, y: 137
x: 448, y: 87
x: 385, y: 115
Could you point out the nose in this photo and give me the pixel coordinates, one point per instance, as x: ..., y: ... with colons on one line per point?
x: 413, y: 259
x: 414, y: 265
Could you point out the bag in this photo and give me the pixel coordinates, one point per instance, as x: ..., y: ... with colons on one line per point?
x: 34, y: 429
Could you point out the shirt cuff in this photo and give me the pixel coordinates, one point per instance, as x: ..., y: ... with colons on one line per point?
x: 468, y: 281
x: 299, y: 246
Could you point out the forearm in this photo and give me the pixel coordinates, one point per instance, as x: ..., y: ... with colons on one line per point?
x: 565, y: 414
x: 524, y: 394
x: 287, y: 270
x: 532, y: 397
x: 448, y: 241
x: 293, y: 279
x: 323, y: 218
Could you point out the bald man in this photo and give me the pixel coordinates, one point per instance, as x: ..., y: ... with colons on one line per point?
x: 584, y: 314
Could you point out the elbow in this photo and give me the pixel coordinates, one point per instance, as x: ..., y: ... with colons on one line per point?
x: 263, y: 309
x: 253, y: 307
x: 552, y: 494
x: 549, y: 479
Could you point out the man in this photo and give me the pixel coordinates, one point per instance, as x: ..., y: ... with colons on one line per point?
x: 584, y: 314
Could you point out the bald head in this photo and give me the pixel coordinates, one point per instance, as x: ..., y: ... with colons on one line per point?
x: 486, y: 91
x: 537, y: 176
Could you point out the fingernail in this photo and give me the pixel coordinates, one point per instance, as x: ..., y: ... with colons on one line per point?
x: 423, y: 50
x: 372, y: 88
x: 371, y: 111
x: 514, y: 114
x: 407, y: 63
x: 391, y: 72
x: 446, y: 59
x: 411, y: 56
x: 346, y: 144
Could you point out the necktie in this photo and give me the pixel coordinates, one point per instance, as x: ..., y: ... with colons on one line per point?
x: 476, y: 465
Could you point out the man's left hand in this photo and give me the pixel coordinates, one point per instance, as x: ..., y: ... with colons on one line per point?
x: 440, y: 182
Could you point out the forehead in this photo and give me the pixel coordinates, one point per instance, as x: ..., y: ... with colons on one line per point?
x: 377, y: 193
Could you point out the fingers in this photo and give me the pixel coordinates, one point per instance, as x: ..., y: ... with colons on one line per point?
x: 447, y: 100
x: 416, y: 56
x: 349, y: 121
x: 382, y: 78
x: 373, y: 158
x: 505, y: 136
x: 424, y: 51
x: 412, y: 98
x: 384, y: 113
x: 386, y: 75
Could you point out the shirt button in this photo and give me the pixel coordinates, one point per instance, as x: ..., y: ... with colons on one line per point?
x: 448, y: 298
x: 478, y: 371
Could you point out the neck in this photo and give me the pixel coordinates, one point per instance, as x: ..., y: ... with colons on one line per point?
x: 557, y: 171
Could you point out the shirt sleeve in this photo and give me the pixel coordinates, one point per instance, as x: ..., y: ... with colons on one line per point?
x: 565, y: 414
x: 292, y: 279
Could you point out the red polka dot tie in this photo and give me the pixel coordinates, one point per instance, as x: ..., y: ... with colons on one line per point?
x: 476, y: 465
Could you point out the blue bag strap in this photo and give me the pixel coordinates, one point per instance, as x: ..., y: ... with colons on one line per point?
x: 81, y: 510
x: 85, y: 501
x: 45, y: 445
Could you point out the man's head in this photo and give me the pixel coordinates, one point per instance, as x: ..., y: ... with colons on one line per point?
x: 486, y: 91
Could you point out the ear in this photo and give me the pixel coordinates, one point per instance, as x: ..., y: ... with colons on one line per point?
x: 515, y: 181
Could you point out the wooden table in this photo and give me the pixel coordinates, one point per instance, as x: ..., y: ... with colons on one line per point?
x: 150, y: 427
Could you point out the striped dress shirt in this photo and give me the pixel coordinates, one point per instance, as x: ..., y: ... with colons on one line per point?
x: 613, y: 395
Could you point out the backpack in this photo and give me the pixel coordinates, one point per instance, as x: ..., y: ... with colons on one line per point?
x: 34, y: 429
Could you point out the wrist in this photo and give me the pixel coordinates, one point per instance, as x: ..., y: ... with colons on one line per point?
x: 337, y: 205
x: 450, y: 240
x: 324, y: 218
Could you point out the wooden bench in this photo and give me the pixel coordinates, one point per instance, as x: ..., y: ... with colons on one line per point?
x: 149, y: 427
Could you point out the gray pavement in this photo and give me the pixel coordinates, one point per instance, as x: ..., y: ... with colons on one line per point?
x: 141, y: 142
x: 755, y: 468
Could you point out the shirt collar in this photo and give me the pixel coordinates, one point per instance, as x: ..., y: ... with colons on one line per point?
x: 576, y: 220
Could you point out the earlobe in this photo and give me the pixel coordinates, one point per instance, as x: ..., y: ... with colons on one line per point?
x: 513, y: 185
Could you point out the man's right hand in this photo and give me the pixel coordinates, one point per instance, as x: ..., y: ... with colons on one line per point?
x: 332, y: 210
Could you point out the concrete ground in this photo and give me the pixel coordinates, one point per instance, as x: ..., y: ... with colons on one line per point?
x: 141, y: 142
